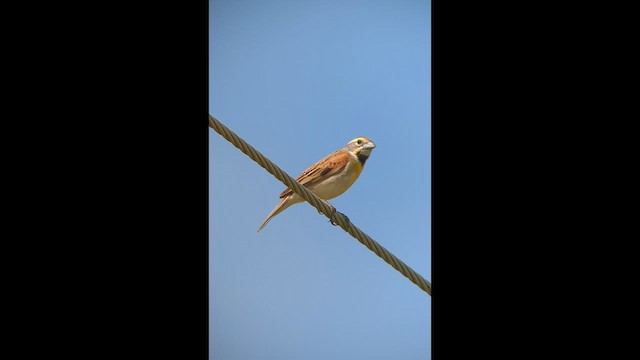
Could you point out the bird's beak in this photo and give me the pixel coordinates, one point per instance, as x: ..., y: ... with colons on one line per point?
x: 369, y: 145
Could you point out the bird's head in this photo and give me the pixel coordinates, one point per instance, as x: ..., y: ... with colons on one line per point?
x: 360, y: 146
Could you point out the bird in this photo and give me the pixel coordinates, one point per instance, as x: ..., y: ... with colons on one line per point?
x: 329, y: 177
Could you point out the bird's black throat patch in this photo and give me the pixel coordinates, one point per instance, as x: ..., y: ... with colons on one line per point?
x: 362, y: 158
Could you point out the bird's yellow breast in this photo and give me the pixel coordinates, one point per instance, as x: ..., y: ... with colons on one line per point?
x: 356, y: 169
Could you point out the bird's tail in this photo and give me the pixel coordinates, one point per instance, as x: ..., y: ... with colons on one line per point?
x: 285, y: 203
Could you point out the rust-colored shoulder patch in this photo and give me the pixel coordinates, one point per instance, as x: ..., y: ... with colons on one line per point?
x: 321, y: 170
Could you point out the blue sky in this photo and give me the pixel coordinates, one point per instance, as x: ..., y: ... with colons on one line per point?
x: 298, y: 80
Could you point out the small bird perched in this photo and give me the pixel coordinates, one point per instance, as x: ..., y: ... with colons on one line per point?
x: 329, y: 177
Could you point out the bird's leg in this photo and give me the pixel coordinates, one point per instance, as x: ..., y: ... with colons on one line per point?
x: 333, y: 209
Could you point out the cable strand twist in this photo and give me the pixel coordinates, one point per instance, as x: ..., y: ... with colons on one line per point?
x: 319, y: 204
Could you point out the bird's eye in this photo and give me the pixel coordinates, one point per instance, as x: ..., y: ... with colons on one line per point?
x: 359, y: 142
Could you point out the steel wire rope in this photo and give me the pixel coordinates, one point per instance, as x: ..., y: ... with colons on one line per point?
x: 336, y: 217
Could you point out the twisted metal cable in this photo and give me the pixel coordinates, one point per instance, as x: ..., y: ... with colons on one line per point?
x: 319, y: 204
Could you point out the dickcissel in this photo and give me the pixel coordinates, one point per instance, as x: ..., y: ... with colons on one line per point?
x: 329, y: 177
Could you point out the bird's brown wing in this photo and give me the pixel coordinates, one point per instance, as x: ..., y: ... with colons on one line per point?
x: 321, y: 170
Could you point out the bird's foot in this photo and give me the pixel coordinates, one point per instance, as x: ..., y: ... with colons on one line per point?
x: 345, y: 216
x: 333, y: 209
